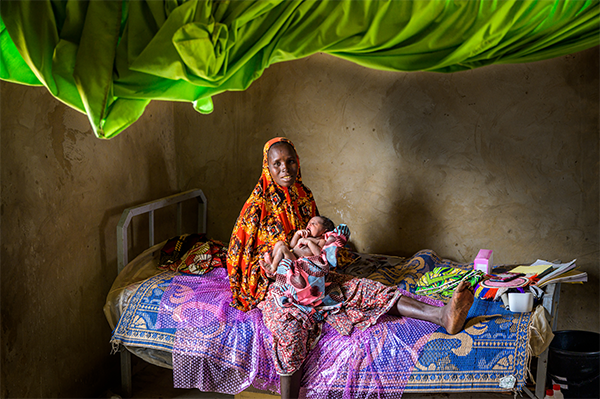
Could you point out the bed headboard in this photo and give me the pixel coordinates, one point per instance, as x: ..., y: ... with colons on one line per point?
x: 149, y: 208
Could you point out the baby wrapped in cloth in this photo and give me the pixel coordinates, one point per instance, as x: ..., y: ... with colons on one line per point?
x: 303, y: 280
x: 308, y: 292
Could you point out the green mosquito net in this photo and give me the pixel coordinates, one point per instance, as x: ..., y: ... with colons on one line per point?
x: 109, y: 59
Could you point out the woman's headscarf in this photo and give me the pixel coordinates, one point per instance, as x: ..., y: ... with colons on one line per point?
x: 272, y: 213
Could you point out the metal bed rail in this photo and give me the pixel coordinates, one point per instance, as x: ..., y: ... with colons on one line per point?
x: 123, y: 255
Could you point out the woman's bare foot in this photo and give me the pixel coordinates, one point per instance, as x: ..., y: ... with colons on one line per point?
x: 455, y: 312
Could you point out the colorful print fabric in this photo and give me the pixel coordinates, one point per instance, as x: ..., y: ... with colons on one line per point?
x: 441, y: 281
x: 272, y: 213
x: 192, y: 254
x: 296, y: 329
x: 302, y: 282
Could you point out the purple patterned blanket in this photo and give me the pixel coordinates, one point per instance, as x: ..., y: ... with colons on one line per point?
x: 221, y: 349
x: 231, y: 350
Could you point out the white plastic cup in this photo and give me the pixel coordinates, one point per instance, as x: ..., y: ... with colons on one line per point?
x: 520, y: 302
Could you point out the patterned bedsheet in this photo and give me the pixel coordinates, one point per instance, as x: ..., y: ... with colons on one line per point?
x: 493, y: 346
x: 137, y: 326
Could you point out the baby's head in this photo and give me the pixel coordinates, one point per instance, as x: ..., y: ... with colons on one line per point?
x: 319, y: 225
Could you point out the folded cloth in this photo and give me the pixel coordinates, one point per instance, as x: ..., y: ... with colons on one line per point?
x: 192, y: 254
x: 441, y: 281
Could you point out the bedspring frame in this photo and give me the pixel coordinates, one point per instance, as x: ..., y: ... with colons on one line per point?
x: 550, y: 301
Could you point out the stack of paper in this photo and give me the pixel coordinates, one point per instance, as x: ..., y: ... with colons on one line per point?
x: 572, y: 276
x: 533, y: 269
x: 553, y: 272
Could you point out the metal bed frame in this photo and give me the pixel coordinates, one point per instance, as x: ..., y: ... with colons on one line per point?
x: 123, y: 256
x: 550, y: 301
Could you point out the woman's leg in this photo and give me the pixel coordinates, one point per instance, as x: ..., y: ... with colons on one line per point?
x: 291, y: 343
x: 451, y: 316
x: 290, y: 385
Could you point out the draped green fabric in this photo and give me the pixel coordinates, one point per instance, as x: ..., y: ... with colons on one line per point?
x: 109, y: 59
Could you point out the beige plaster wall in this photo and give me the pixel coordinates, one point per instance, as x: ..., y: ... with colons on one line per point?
x: 63, y: 192
x: 502, y: 157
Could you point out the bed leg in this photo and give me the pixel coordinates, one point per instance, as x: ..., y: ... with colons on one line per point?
x: 126, y: 384
x: 542, y: 368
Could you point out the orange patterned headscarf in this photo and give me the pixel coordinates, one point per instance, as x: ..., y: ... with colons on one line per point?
x: 272, y: 213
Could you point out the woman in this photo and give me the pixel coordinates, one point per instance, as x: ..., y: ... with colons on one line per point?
x: 279, y: 205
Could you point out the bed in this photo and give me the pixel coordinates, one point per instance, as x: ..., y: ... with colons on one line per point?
x: 184, y: 322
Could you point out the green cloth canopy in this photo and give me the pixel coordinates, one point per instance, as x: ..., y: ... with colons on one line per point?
x: 108, y: 59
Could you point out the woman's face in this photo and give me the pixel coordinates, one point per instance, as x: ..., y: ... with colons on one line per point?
x: 283, y: 165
